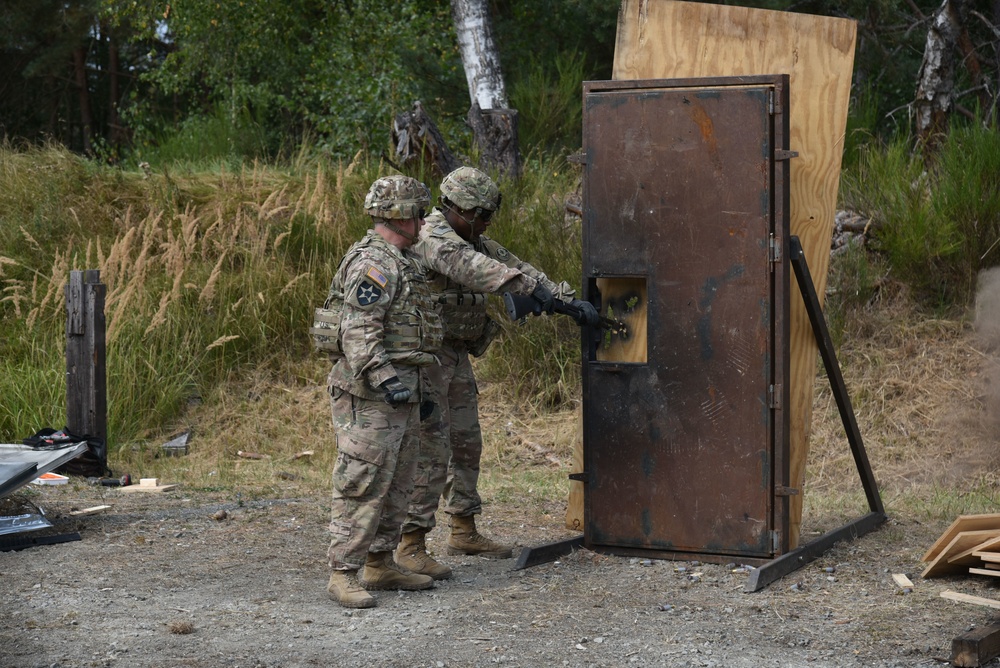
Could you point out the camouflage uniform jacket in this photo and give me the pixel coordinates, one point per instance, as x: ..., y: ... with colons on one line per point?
x: 389, y: 324
x: 462, y: 273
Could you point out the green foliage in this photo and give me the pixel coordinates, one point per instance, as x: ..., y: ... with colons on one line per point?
x: 539, y: 360
x: 853, y: 280
x: 937, y: 227
x: 547, y: 100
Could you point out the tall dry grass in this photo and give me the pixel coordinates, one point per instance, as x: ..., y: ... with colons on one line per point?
x: 206, y: 274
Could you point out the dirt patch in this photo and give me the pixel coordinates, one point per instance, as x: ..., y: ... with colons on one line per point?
x: 158, y: 580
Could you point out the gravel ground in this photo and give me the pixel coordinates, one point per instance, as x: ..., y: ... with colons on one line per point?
x: 160, y: 580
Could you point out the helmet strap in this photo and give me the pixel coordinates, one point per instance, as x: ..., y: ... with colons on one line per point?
x: 393, y: 228
x: 458, y: 213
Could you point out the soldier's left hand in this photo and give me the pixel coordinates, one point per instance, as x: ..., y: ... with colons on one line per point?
x: 395, y: 392
x: 587, y: 315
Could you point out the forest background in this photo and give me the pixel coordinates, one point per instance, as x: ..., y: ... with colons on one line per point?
x: 210, y: 158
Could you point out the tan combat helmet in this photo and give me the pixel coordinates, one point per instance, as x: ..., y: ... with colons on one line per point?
x: 470, y: 189
x: 397, y: 196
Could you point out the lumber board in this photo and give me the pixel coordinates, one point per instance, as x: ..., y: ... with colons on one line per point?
x: 985, y: 571
x: 969, y: 598
x: 88, y: 511
x: 668, y: 40
x: 976, y: 647
x: 901, y: 580
x: 963, y: 523
x: 148, y: 488
x: 969, y: 557
x: 993, y: 557
x: 960, y: 543
x: 574, y: 505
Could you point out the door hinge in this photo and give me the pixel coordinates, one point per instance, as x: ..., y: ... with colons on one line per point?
x: 781, y: 154
x: 577, y: 158
x: 784, y: 490
x: 774, y: 396
x: 775, y: 541
x: 773, y: 251
x: 579, y: 477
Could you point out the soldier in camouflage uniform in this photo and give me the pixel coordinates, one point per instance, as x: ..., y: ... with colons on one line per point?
x: 463, y: 267
x: 388, y: 329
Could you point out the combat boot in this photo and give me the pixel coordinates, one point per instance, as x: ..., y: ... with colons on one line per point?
x: 344, y: 589
x: 381, y: 572
x: 465, y: 539
x: 412, y: 555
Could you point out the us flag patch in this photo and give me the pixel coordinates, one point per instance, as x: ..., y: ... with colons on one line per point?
x: 377, y: 276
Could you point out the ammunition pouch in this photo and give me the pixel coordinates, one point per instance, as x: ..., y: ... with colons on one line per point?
x: 490, y: 331
x: 325, y: 330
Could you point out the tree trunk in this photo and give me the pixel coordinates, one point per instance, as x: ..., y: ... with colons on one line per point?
x: 936, y: 86
x: 495, y: 132
x: 83, y: 92
x: 417, y: 139
x: 494, y: 126
x: 115, y: 134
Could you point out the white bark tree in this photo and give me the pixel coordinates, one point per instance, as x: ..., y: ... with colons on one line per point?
x: 480, y: 57
x: 494, y: 125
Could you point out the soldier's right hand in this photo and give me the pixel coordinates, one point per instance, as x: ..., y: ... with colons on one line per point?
x: 395, y: 392
x: 543, y: 296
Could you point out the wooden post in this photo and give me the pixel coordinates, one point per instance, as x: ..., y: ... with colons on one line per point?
x: 86, y: 386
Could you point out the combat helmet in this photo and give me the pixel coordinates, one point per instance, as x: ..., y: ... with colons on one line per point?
x: 397, y: 196
x: 468, y: 189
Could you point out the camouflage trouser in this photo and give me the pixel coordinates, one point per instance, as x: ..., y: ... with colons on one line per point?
x: 451, y: 442
x: 373, y: 477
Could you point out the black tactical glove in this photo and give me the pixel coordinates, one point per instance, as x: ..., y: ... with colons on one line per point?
x: 395, y: 392
x: 587, y: 315
x: 426, y: 408
x: 542, y: 295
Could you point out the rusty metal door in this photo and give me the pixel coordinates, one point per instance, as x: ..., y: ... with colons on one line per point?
x: 685, y: 207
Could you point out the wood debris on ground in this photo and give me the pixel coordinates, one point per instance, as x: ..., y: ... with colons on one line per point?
x: 970, y: 545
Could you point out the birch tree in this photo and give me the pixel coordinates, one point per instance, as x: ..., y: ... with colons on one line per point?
x: 494, y: 125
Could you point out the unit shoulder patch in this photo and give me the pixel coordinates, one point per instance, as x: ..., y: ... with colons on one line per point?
x: 367, y: 294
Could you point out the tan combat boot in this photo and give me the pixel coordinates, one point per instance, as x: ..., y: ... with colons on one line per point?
x: 381, y: 572
x: 465, y: 539
x: 344, y: 589
x: 412, y: 555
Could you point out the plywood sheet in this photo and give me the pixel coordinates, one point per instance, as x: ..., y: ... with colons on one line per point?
x: 962, y: 541
x: 665, y: 40
x: 963, y: 523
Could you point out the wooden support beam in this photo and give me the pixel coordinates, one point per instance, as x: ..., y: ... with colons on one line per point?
x: 86, y: 379
x: 976, y: 647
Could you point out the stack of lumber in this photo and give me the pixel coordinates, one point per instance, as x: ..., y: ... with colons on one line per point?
x: 970, y: 545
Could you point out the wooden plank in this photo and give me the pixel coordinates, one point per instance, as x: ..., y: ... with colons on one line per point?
x: 963, y: 523
x: 976, y: 647
x: 969, y: 557
x: 574, y: 505
x: 968, y: 598
x: 88, y: 511
x: 665, y: 40
x: 902, y: 580
x: 985, y: 571
x: 993, y: 557
x: 147, y: 488
x: 960, y: 543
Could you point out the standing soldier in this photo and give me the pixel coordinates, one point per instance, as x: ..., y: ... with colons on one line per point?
x: 380, y: 326
x: 463, y: 267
